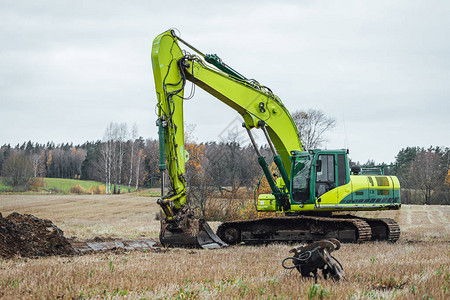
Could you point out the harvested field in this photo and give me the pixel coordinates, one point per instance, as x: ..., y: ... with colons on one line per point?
x: 84, y: 217
x: 417, y: 267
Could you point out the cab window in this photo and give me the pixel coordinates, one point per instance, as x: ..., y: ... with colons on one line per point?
x: 300, y: 180
x: 325, y: 176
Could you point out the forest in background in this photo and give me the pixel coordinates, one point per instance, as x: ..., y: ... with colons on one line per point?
x: 224, y: 166
x: 123, y: 160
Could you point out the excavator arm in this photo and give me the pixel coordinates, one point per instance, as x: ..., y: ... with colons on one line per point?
x: 169, y: 86
x: 257, y: 105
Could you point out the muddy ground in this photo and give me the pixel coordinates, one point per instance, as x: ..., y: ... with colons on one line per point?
x: 29, y: 236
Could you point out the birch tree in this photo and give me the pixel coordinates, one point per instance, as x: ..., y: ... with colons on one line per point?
x: 107, y: 153
x: 112, y: 155
x: 134, y: 133
x: 122, y: 132
x: 37, y: 162
x: 139, y: 162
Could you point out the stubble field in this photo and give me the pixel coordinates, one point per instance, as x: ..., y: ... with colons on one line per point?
x: 416, y: 267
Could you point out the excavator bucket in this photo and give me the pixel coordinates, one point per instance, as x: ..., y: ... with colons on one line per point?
x: 188, y: 232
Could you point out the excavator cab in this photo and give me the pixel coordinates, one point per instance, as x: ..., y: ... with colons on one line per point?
x: 314, y: 173
x: 321, y: 181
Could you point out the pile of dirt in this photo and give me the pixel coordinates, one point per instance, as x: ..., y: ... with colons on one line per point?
x: 28, y: 236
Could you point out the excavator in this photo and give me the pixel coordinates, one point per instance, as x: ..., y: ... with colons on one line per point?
x: 313, y: 190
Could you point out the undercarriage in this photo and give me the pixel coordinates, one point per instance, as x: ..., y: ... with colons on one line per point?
x: 346, y: 228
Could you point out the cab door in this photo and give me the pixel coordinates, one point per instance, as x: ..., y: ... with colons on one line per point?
x: 326, y: 177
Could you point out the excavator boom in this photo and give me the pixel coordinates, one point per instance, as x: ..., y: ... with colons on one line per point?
x: 258, y: 106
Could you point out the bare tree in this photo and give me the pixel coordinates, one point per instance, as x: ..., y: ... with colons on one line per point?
x: 104, y: 166
x: 231, y: 166
x: 197, y: 182
x: 132, y: 155
x: 107, y: 155
x: 77, y: 156
x: 122, y: 132
x: 426, y: 173
x: 37, y: 162
x: 60, y: 163
x: 17, y: 170
x: 312, y: 125
x: 149, y: 159
x: 139, y: 168
x: 112, y: 153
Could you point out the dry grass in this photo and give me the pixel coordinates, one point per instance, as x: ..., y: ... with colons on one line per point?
x: 90, y: 216
x: 417, y: 267
x: 419, y: 222
x: 375, y: 271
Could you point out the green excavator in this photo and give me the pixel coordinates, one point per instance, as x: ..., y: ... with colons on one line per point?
x: 313, y: 184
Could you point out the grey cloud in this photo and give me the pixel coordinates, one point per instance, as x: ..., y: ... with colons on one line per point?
x: 67, y: 69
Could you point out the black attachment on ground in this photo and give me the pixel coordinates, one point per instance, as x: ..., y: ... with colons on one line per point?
x: 316, y: 256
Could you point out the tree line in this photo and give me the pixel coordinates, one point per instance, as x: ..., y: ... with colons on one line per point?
x: 121, y: 163
x: 424, y: 174
x: 122, y: 159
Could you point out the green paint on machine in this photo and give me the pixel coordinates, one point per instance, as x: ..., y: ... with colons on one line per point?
x: 372, y: 196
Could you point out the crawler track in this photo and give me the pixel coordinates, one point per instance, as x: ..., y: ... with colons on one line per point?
x: 296, y: 229
x: 384, y: 229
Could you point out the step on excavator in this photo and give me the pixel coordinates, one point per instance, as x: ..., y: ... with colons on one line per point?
x: 315, y: 185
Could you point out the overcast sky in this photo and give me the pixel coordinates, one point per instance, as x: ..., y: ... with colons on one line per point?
x: 382, y: 69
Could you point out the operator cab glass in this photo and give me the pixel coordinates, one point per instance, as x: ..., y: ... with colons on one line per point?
x: 301, y: 178
x: 331, y: 172
x: 325, y: 178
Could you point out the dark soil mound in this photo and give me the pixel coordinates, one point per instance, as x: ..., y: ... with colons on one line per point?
x: 28, y: 236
